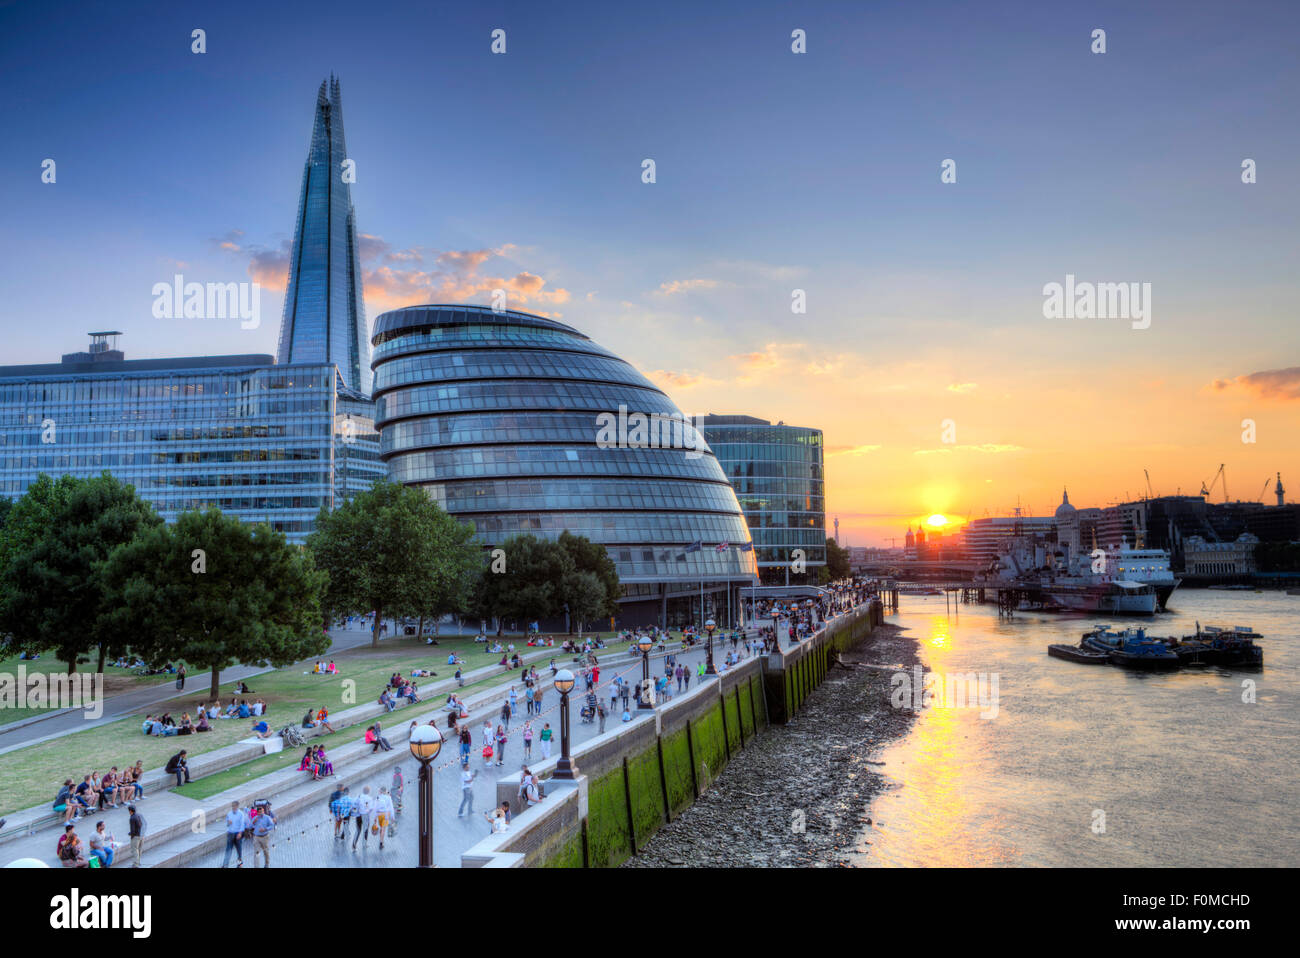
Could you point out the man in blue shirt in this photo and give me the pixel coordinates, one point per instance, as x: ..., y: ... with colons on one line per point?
x: 262, y: 826
x: 341, y: 805
x: 236, y: 824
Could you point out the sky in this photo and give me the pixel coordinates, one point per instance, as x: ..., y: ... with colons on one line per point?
x: 926, y: 353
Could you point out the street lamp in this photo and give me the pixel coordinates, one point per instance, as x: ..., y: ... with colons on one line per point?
x: 425, y: 744
x: 709, y: 626
x: 564, y: 685
x: 645, y: 644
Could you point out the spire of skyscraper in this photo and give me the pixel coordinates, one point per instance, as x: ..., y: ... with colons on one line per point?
x: 324, y: 313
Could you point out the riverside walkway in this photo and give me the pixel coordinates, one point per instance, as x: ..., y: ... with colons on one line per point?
x: 185, y: 829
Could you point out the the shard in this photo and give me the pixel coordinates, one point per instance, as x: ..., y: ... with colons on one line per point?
x: 324, y: 314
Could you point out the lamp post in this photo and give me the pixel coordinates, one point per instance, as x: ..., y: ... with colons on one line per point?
x: 564, y: 685
x: 426, y: 743
x: 644, y: 645
x: 709, y: 626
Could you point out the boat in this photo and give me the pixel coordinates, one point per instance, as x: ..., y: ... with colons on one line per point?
x: 1240, y: 631
x: 1079, y: 593
x: 1077, y: 653
x: 1132, y: 649
x: 1194, y: 652
x: 1146, y: 655
x: 1148, y: 566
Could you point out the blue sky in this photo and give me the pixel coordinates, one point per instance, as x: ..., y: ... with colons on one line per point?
x: 775, y: 171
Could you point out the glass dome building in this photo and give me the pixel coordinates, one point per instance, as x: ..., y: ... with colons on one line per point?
x: 498, y: 417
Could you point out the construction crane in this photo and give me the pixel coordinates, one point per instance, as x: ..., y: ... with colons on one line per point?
x: 1206, y: 490
x: 1150, y: 494
x: 1267, y: 482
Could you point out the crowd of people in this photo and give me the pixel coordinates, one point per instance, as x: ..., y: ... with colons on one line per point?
x: 96, y: 792
x: 164, y: 724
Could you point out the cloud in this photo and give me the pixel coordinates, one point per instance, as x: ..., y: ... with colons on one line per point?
x: 1281, y: 384
x: 675, y: 286
x: 849, y: 450
x: 668, y: 379
x: 392, y: 278
x: 962, y: 387
x: 985, y: 447
x: 269, y: 268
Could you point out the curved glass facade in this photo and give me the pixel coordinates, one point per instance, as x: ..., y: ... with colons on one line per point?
x: 776, y: 471
x: 496, y: 416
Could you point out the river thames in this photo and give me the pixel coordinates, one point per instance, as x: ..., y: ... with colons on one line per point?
x: 1089, y: 765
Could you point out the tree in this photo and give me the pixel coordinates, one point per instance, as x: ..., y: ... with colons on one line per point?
x: 592, y: 589
x: 837, y: 561
x: 528, y: 585
x: 392, y: 551
x: 55, y: 594
x: 215, y: 592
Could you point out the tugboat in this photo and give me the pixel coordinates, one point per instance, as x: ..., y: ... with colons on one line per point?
x: 1235, y: 647
x: 1131, y: 649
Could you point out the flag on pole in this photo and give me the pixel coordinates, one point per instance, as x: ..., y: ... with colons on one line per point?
x: 695, y: 546
x: 723, y: 546
x: 747, y: 547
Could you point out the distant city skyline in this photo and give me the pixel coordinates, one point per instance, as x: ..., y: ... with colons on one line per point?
x: 924, y: 356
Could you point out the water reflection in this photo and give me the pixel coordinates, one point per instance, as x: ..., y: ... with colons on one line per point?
x: 1183, y: 770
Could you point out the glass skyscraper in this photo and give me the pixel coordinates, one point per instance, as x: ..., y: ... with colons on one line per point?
x: 263, y: 442
x: 495, y: 416
x: 324, y: 314
x: 777, y: 472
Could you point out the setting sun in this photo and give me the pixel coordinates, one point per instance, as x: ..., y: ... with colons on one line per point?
x: 937, y: 521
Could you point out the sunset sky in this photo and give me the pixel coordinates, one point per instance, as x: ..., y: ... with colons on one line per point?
x: 775, y: 172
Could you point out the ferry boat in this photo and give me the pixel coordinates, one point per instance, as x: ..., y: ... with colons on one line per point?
x: 1149, y: 566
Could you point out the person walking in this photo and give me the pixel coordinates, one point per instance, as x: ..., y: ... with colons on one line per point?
x: 384, y: 813
x: 546, y: 740
x: 341, y: 806
x: 601, y: 713
x: 613, y: 691
x: 528, y: 699
x: 236, y: 824
x: 505, y: 713
x: 137, y: 827
x: 466, y: 790
x: 399, y: 786
x: 363, y: 809
x: 180, y: 678
x: 262, y: 827
x: 528, y: 740
x: 514, y: 701
x: 501, y: 738
x: 625, y: 690
x: 465, y: 742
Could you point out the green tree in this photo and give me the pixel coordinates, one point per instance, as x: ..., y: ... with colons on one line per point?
x: 216, y: 592
x: 527, y: 586
x: 837, y: 561
x: 392, y: 551
x: 591, y: 591
x: 55, y: 594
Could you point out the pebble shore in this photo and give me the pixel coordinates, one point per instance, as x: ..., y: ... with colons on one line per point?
x: 800, y: 795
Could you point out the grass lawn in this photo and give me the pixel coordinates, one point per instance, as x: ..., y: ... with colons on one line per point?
x: 32, y: 775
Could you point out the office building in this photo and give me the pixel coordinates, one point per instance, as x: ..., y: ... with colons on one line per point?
x: 777, y: 472
x: 502, y: 418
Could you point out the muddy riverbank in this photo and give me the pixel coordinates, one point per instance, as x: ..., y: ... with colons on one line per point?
x: 799, y: 795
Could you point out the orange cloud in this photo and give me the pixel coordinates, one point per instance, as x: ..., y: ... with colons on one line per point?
x: 675, y: 286
x: 1280, y: 384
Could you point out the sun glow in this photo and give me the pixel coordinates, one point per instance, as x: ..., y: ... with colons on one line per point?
x: 937, y: 521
